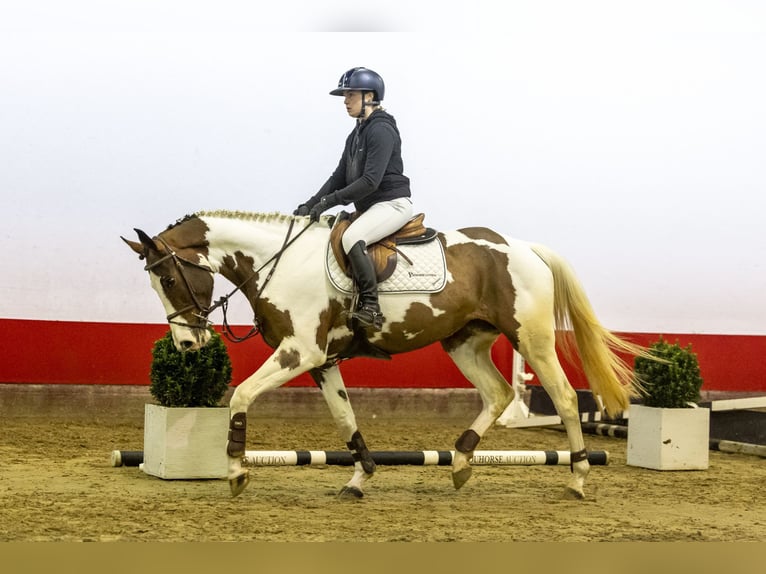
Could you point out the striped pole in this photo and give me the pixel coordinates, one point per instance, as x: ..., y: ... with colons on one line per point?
x: 731, y: 446
x: 722, y: 445
x: 127, y: 457
x: 418, y: 457
x: 603, y: 429
x: 400, y: 458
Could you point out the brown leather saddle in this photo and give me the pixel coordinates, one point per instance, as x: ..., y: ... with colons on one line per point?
x: 384, y: 253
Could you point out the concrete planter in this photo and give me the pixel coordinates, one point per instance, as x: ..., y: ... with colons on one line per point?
x: 668, y: 439
x: 185, y: 443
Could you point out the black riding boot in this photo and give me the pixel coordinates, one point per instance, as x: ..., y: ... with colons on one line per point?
x: 368, y: 310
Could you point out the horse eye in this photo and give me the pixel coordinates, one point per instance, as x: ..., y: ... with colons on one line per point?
x: 167, y: 281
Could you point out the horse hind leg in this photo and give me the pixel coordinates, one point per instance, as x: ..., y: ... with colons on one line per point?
x: 543, y: 360
x: 329, y: 380
x: 470, y: 349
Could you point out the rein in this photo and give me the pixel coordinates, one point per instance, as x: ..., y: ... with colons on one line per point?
x: 223, y: 302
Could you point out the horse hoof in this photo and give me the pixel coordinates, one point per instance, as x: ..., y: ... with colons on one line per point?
x: 573, y: 494
x: 460, y: 477
x: 350, y: 493
x: 239, y: 483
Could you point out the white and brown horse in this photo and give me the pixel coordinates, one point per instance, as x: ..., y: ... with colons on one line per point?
x: 494, y: 285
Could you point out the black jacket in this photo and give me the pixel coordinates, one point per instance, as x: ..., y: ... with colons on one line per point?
x: 371, y: 168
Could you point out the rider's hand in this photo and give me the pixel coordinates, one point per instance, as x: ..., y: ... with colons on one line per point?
x: 315, y: 212
x: 327, y: 201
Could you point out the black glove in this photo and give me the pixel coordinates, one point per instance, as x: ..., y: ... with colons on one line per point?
x: 327, y: 201
x: 302, y: 209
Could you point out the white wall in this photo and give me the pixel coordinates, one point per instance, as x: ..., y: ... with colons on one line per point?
x: 629, y: 136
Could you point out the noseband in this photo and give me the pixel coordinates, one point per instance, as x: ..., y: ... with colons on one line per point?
x: 202, y: 311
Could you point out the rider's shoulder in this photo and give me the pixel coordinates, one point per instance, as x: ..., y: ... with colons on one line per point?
x: 382, y: 123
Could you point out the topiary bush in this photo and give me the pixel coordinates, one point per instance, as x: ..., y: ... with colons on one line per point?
x: 673, y: 381
x: 191, y: 378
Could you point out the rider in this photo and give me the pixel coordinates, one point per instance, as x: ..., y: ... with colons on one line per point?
x: 369, y: 175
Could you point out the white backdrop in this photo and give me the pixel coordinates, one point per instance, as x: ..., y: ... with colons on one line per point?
x: 628, y: 136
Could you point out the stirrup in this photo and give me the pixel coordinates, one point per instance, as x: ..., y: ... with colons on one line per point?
x: 369, y: 317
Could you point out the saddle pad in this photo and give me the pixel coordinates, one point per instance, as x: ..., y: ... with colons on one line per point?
x: 427, y: 274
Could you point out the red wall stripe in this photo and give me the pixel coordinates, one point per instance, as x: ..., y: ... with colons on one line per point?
x: 64, y: 352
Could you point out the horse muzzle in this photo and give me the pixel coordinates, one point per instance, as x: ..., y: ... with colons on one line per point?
x: 186, y: 339
x: 189, y: 336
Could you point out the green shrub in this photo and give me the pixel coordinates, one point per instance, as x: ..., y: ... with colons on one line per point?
x: 672, y: 382
x: 191, y: 378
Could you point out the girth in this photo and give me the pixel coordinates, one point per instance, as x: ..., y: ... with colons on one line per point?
x: 384, y: 252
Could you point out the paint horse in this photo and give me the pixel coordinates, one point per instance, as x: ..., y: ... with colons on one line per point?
x: 494, y: 285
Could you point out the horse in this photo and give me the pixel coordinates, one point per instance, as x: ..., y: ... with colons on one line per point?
x: 495, y: 285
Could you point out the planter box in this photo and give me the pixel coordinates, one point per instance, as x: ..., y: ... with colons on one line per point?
x: 668, y: 439
x: 185, y: 443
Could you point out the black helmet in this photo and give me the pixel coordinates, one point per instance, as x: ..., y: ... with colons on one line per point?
x: 361, y: 79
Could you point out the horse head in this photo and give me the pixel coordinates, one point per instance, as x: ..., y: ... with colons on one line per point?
x: 184, y: 284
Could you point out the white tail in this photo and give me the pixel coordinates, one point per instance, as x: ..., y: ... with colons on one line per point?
x: 609, y: 376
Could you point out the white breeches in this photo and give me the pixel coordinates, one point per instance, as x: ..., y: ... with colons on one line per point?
x: 379, y: 221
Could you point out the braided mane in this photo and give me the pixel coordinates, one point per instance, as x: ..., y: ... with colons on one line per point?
x: 246, y: 215
x: 179, y: 221
x: 240, y: 215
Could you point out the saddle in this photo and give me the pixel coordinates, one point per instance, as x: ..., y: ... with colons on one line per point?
x: 384, y: 253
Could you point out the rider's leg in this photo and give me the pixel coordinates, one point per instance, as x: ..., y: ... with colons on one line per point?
x: 379, y: 221
x: 368, y: 311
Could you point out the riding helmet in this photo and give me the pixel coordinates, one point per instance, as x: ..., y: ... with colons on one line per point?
x: 361, y: 79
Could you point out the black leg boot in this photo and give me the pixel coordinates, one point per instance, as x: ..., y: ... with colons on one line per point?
x: 368, y: 311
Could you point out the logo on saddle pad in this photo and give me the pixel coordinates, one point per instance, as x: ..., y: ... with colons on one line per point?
x: 409, y: 261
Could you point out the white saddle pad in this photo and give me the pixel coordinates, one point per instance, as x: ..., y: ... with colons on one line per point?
x: 427, y: 274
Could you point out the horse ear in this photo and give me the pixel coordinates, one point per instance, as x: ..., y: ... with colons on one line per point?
x: 146, y: 241
x: 135, y: 246
x: 147, y: 244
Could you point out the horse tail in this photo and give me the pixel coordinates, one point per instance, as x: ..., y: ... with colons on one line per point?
x: 609, y: 376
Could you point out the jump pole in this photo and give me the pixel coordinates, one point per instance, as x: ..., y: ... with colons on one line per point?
x: 400, y: 458
x: 604, y: 429
x: 418, y: 457
x: 730, y: 446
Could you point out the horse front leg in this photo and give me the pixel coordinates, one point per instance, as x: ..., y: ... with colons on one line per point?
x: 330, y: 381
x: 284, y: 364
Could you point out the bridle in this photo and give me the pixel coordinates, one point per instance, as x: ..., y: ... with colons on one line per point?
x: 202, y: 311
